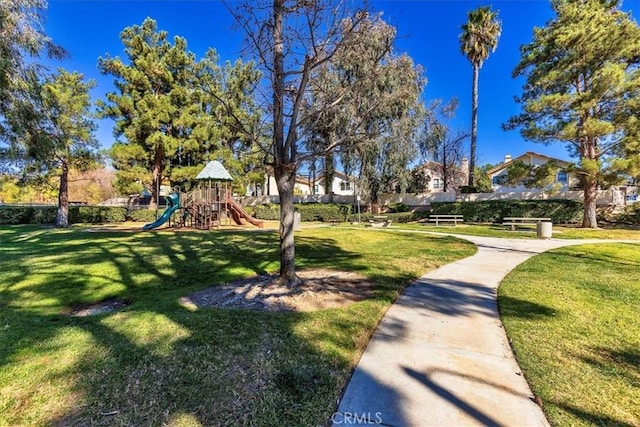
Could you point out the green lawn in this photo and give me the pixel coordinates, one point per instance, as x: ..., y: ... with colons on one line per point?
x: 157, y: 363
x: 572, y: 316
x: 527, y: 232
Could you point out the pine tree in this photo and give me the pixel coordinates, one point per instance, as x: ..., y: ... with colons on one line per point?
x: 582, y: 88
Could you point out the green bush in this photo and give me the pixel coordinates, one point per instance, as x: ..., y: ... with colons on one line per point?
x: 77, y: 214
x: 268, y: 212
x: 323, y: 212
x: 44, y: 215
x: 143, y: 215
x: 399, y: 207
x: 560, y: 211
x: 631, y: 214
x: 28, y: 214
x: 96, y: 214
x: 308, y: 212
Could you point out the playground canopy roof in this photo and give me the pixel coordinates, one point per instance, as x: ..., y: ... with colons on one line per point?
x: 215, y: 172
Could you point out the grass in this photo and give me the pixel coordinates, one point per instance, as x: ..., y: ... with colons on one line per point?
x: 572, y: 317
x: 527, y: 232
x: 156, y: 362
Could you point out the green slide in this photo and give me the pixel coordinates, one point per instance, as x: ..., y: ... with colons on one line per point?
x: 173, y: 204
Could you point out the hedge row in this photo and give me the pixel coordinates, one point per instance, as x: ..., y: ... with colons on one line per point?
x: 145, y: 215
x: 308, y: 212
x: 28, y: 214
x: 560, y: 211
x: 330, y: 212
x: 47, y: 214
x: 631, y: 215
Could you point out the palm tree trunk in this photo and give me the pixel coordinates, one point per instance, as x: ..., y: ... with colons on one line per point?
x: 474, y: 125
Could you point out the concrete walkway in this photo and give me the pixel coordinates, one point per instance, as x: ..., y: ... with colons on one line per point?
x: 440, y: 356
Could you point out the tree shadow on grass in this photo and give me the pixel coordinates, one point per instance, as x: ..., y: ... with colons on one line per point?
x: 590, y: 418
x: 156, y: 362
x: 616, y: 363
x: 522, y: 309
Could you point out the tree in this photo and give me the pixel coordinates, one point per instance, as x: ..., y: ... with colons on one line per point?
x: 532, y: 176
x: 293, y: 42
x: 22, y: 41
x: 483, y: 181
x: 391, y: 114
x: 91, y: 186
x: 227, y: 107
x: 150, y: 108
x: 175, y: 113
x: 582, y: 88
x: 60, y: 135
x: 388, y: 116
x: 479, y: 37
x: 441, y: 144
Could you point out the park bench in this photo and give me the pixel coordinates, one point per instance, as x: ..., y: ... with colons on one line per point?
x: 380, y: 221
x: 515, y: 221
x: 438, y: 218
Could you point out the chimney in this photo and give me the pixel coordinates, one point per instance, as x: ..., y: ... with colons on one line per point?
x: 464, y: 165
x: 507, y: 158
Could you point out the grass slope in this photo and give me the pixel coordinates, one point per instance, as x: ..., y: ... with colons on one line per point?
x: 157, y: 363
x: 572, y: 317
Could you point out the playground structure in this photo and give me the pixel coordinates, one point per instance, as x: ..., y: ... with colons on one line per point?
x: 207, y: 207
x: 203, y: 209
x: 212, y: 207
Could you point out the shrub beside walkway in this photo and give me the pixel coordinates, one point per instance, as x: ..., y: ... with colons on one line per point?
x: 440, y: 356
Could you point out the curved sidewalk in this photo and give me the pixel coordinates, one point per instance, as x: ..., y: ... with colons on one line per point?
x: 440, y: 356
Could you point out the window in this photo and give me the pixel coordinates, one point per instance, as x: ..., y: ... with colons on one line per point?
x: 562, y: 177
x: 437, y: 183
x: 316, y: 189
x: 499, y: 180
x: 345, y: 186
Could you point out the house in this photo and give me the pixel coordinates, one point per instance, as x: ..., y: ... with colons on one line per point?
x: 564, y: 180
x: 456, y: 177
x: 342, y: 185
x: 302, y: 187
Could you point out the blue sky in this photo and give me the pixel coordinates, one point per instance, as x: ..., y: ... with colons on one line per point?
x: 428, y: 31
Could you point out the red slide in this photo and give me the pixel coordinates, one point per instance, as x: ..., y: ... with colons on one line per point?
x: 237, y: 213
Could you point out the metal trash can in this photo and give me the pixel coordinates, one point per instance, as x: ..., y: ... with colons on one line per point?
x: 544, y: 229
x: 296, y: 221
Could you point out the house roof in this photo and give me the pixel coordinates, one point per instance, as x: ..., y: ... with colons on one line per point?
x: 528, y: 154
x: 215, y: 172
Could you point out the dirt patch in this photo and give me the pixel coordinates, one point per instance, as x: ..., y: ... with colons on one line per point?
x: 320, y: 289
x: 102, y: 307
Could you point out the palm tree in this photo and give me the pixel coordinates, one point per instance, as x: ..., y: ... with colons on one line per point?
x: 479, y: 37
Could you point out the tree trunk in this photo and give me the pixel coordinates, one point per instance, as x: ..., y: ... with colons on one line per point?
x: 62, y: 218
x: 285, y: 180
x: 474, y: 126
x: 589, y: 219
x: 445, y: 168
x: 285, y: 166
x: 156, y: 181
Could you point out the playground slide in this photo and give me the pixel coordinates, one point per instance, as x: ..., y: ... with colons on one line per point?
x: 173, y: 201
x: 237, y: 213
